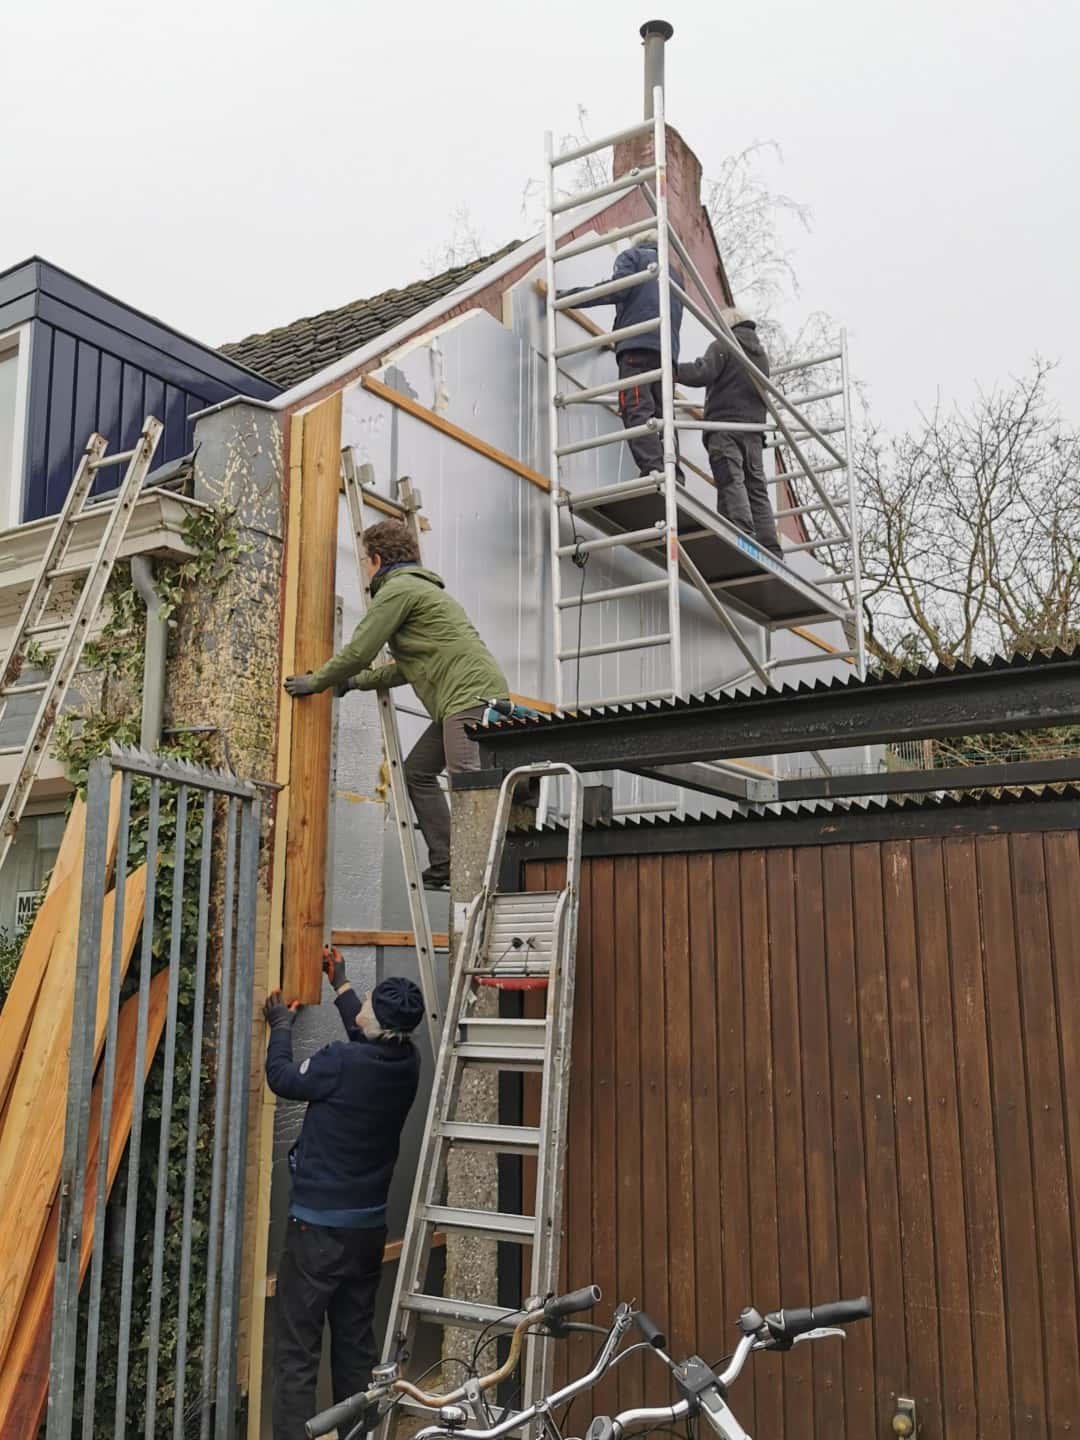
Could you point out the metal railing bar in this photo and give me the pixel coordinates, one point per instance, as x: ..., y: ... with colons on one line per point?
x: 631, y: 132
x: 608, y: 287
x: 639, y: 175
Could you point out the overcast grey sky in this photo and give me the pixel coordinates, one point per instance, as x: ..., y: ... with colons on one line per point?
x: 230, y: 166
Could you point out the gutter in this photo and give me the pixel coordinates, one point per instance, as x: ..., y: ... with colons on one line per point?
x: 157, y: 639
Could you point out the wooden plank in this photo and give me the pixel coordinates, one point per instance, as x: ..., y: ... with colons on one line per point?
x: 602, y: 1075
x: 34, y: 1123
x: 987, y: 1326
x: 959, y: 1417
x: 261, y: 1150
x: 1015, y: 1199
x: 394, y: 939
x: 24, y: 1379
x: 454, y: 432
x: 626, y: 1005
x: 820, y: 1141
x: 853, y: 1218
x: 679, y: 1007
x: 912, y: 1157
x: 790, y: 1142
x: 1062, y: 852
x: 735, y: 1280
x: 18, y: 1010
x: 699, y: 1026
x: 654, y: 1200
x: 309, y: 766
x: 886, y: 1266
x: 766, y: 1416
x: 1053, y: 1222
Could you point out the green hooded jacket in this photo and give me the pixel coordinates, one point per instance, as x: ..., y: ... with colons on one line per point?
x: 434, y: 644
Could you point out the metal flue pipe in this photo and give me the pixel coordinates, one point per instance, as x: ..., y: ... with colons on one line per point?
x: 654, y: 34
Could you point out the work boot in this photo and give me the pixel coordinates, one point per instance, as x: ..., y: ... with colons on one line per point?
x: 436, y: 877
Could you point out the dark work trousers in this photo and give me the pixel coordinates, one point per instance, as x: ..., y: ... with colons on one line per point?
x: 639, y: 403
x: 742, y: 495
x: 440, y: 747
x: 330, y: 1274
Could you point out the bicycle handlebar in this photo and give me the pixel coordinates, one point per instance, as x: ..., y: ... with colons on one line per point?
x: 339, y: 1417
x: 572, y: 1304
x: 787, y: 1324
x: 652, y: 1332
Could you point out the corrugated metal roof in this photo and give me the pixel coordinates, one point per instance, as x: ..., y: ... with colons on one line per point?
x: 291, y: 353
x: 722, y: 699
x: 808, y: 809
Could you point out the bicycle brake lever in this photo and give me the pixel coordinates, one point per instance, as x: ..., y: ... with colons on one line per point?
x: 824, y: 1332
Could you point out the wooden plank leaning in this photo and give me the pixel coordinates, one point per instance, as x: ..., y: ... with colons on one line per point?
x: 31, y: 1143
x: 24, y: 1377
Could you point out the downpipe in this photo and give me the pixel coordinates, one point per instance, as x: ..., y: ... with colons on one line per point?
x: 157, y: 639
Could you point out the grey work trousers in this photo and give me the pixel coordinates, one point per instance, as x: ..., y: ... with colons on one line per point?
x: 742, y: 494
x: 440, y: 747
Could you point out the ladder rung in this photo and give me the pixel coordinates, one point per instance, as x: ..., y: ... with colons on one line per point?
x: 625, y: 490
x: 615, y: 437
x: 615, y: 647
x: 608, y: 542
x: 610, y: 391
x: 483, y: 1222
x: 618, y: 592
x: 609, y: 287
x: 117, y: 459
x: 800, y: 400
x: 52, y: 628
x: 32, y: 687
x: 608, y: 337
x: 67, y: 572
x: 806, y: 364
x: 595, y: 239
x: 507, y: 1057
x: 639, y: 175
x: 507, y: 1139
x: 445, y: 1310
x: 11, y: 750
x: 590, y: 147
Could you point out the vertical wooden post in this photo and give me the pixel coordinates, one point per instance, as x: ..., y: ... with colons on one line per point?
x: 309, y: 762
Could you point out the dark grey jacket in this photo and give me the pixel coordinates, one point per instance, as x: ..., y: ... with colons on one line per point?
x: 731, y: 394
x: 642, y: 302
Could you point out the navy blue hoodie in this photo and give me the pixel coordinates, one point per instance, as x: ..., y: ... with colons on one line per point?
x: 642, y: 302
x: 359, y: 1093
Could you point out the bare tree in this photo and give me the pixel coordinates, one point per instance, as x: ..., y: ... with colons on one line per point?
x: 971, y: 529
x: 466, y: 243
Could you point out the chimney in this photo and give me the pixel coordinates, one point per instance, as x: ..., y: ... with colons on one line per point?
x: 654, y: 34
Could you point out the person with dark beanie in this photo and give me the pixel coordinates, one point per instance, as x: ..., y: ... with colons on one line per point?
x: 358, y: 1093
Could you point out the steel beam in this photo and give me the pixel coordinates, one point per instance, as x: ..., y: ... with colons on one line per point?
x: 952, y: 777
x: 1025, y: 694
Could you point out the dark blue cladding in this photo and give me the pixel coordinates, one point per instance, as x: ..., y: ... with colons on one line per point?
x: 97, y: 364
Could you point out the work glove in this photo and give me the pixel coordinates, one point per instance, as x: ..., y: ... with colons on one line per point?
x: 334, y: 967
x: 277, y: 1013
x: 300, y: 685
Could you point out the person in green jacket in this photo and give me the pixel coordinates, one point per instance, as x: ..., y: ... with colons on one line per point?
x: 436, y: 649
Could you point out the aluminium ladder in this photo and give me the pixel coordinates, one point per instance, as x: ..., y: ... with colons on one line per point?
x: 407, y: 509
x: 508, y: 939
x: 653, y: 515
x: 32, y: 625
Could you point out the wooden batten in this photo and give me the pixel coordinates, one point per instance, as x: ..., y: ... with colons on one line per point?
x: 316, y: 515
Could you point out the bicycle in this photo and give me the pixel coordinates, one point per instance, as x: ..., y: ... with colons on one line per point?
x: 703, y: 1390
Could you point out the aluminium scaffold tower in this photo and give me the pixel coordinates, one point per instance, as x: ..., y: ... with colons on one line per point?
x: 654, y: 515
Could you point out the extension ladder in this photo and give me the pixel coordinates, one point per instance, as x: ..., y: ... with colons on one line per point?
x: 508, y: 939
x: 407, y: 509
x: 32, y: 626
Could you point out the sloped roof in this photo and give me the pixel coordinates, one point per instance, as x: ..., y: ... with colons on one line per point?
x: 291, y: 353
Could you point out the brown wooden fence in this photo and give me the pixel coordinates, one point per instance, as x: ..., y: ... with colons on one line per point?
x: 803, y: 1073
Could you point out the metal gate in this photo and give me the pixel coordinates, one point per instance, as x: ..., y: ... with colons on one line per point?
x: 153, y: 1335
